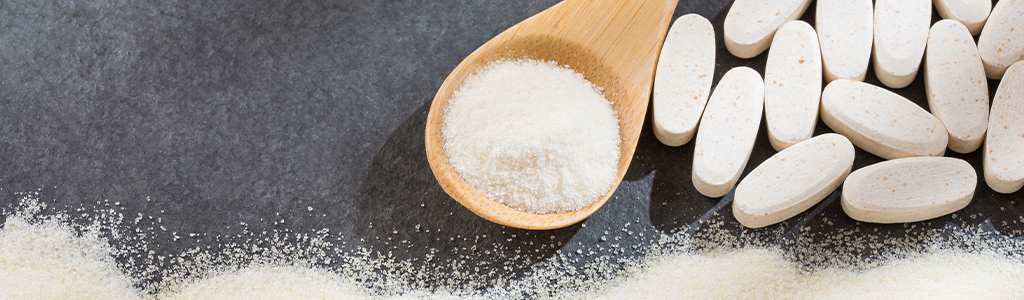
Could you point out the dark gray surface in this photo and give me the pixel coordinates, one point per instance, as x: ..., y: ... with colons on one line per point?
x: 221, y: 112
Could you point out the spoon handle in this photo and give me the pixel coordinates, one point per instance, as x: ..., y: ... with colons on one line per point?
x: 624, y: 32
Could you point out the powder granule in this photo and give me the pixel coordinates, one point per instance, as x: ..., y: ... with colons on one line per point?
x: 948, y: 274
x: 269, y: 282
x: 47, y: 260
x: 533, y: 135
x: 745, y: 274
x: 759, y: 273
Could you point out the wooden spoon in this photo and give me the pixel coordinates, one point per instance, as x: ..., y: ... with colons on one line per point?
x: 614, y: 43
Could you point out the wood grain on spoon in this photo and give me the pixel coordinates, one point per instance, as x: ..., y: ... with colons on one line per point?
x: 614, y: 44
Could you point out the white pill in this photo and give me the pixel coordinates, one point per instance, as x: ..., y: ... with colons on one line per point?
x: 971, y: 13
x: 1002, y: 40
x: 750, y: 24
x: 727, y: 131
x: 901, y: 32
x: 793, y: 180
x: 954, y: 80
x: 845, y: 34
x: 880, y: 121
x: 1004, y: 147
x: 909, y: 189
x: 792, y: 85
x: 683, y: 79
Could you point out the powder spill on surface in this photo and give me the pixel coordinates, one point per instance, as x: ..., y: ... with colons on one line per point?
x: 49, y: 257
x: 269, y: 282
x: 766, y: 274
x: 45, y: 259
x: 532, y: 135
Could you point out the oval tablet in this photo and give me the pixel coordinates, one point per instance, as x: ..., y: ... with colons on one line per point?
x: 845, y: 34
x: 793, y: 180
x: 909, y: 189
x: 901, y: 32
x: 727, y: 131
x: 750, y: 24
x: 1003, y: 156
x: 971, y: 13
x: 954, y: 80
x: 1002, y: 39
x: 792, y: 85
x: 683, y: 79
x: 880, y: 121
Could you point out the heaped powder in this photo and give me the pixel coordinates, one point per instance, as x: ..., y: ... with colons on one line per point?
x: 758, y: 273
x: 533, y: 135
x: 48, y: 258
x: 44, y: 259
x: 269, y: 282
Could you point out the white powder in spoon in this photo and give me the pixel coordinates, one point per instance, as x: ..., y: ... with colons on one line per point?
x: 533, y: 135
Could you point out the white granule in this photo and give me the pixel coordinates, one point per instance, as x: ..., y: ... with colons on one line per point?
x: 533, y: 135
x: 269, y: 282
x: 759, y: 273
x: 44, y: 258
x: 47, y: 260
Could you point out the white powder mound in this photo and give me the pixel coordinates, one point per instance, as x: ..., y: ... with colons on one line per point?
x: 750, y: 274
x: 270, y: 283
x: 533, y: 135
x: 942, y: 275
x: 758, y: 273
x: 47, y: 260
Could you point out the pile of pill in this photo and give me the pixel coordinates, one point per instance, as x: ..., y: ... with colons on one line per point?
x: 916, y: 183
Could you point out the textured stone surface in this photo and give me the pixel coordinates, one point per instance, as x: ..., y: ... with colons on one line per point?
x: 221, y: 112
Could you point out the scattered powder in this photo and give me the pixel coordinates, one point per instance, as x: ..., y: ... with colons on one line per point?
x: 51, y: 258
x: 533, y: 135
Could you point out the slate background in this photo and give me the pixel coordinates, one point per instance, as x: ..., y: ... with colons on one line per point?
x: 221, y: 112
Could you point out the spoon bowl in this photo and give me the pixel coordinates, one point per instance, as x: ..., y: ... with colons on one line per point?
x: 613, y: 43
